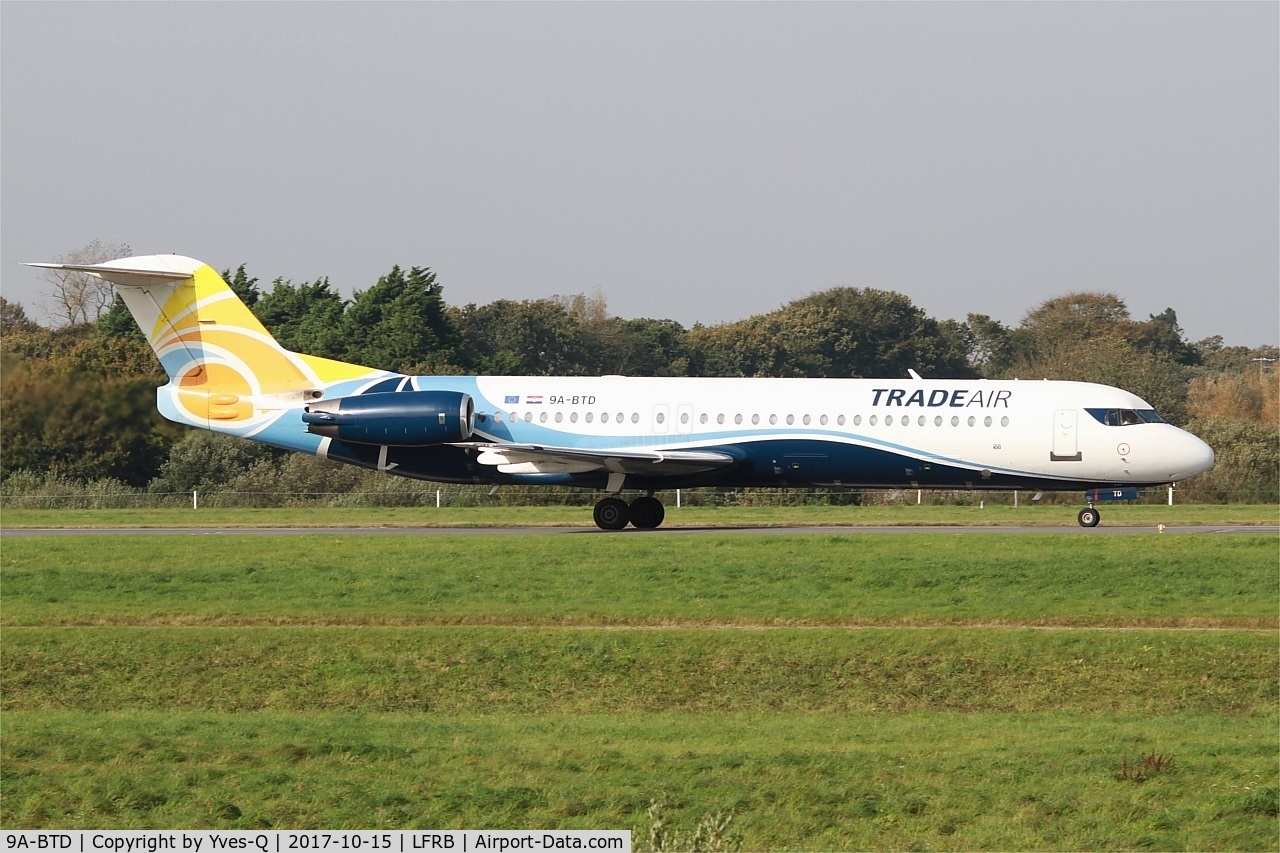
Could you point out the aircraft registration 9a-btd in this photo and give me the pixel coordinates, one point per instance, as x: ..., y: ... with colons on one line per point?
x: 614, y: 433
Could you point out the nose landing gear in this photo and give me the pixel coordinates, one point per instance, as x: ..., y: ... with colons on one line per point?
x: 1089, y: 517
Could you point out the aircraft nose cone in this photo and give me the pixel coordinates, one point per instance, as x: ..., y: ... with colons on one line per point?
x: 1195, y: 457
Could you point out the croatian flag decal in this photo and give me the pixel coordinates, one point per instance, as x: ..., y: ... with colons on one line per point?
x: 535, y: 400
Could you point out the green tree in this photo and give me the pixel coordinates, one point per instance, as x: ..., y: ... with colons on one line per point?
x: 242, y: 285
x: 845, y: 331
x: 1076, y: 317
x: 745, y: 348
x: 639, y: 347
x: 871, y: 332
x: 1162, y: 335
x: 117, y: 322
x: 13, y: 318
x: 80, y: 424
x: 534, y: 337
x: 305, y: 318
x: 989, y: 345
x: 207, y: 461
x: 399, y: 322
x: 612, y: 345
x: 80, y: 404
x: 1246, y: 466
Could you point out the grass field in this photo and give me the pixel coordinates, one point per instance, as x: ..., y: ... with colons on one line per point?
x: 907, y: 513
x: 834, y: 580
x: 831, y: 691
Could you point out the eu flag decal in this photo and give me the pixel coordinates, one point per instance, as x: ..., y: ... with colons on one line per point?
x: 511, y: 399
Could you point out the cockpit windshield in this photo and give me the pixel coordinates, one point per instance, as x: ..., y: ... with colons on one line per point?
x: 1125, y: 417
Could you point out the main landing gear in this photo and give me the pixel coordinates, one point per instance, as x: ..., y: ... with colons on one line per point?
x: 614, y: 513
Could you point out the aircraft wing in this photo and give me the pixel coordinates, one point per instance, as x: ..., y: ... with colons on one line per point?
x: 540, y: 459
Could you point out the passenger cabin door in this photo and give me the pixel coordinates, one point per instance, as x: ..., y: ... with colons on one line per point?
x: 1065, y: 447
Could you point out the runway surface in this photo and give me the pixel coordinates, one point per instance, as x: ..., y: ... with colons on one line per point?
x: 593, y: 531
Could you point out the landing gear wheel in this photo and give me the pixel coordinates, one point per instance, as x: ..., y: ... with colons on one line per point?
x: 612, y: 514
x: 1088, y: 517
x: 647, y: 513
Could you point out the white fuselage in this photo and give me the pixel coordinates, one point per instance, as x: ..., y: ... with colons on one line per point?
x: 848, y: 431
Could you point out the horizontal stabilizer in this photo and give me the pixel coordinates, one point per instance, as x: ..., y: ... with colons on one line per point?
x: 140, y: 272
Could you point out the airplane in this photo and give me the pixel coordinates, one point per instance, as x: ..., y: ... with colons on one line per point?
x: 615, y: 433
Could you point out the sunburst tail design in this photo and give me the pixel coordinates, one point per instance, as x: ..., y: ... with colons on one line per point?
x: 226, y: 372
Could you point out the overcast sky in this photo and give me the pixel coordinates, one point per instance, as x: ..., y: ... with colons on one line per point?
x: 699, y: 162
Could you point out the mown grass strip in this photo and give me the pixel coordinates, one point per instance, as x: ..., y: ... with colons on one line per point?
x: 399, y: 714
x: 905, y: 513
x: 572, y: 672
x: 836, y: 579
x: 926, y: 781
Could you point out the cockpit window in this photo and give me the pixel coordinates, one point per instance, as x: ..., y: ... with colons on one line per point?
x: 1125, y: 417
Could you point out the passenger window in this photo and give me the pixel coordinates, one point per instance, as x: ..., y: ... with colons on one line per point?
x: 543, y: 417
x: 720, y: 418
x: 857, y: 420
x: 987, y: 421
x: 872, y: 420
x: 635, y: 417
x: 559, y: 417
x: 604, y: 417
x: 955, y: 420
x: 573, y: 417
x: 937, y: 421
x: 888, y: 420
x: 588, y: 417
x: 972, y: 420
x: 773, y: 419
x: 737, y: 419
x: 1004, y: 422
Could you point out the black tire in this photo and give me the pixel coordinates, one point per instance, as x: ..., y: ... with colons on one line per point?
x: 612, y: 514
x: 1089, y: 517
x: 647, y: 513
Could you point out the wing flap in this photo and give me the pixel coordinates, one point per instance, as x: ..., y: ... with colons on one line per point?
x: 540, y: 459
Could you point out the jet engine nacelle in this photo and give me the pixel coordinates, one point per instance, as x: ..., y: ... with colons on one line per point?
x: 406, y: 418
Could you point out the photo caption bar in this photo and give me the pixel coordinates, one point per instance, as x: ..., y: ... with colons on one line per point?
x: 288, y: 840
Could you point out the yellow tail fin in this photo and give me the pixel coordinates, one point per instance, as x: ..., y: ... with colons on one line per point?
x: 224, y: 367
